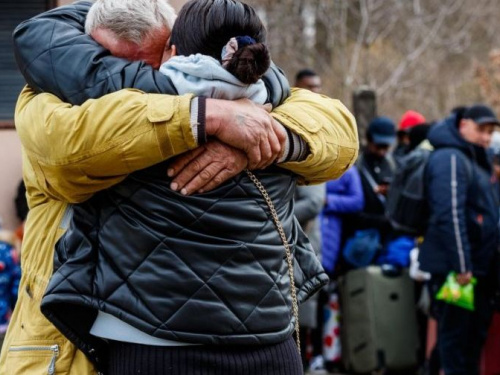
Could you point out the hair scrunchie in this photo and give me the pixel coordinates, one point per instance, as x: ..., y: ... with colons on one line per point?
x: 233, y: 45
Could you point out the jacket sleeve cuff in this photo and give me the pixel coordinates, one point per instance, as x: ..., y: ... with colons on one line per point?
x: 198, y: 120
x: 296, y: 149
x: 171, y: 115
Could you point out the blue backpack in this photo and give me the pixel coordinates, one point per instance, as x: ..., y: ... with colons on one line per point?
x: 360, y: 250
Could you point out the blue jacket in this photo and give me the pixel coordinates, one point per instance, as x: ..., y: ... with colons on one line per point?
x: 462, y: 234
x: 344, y: 195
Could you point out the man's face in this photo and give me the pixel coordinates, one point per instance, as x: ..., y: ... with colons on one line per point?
x: 312, y: 83
x: 477, y: 134
x: 377, y: 150
x: 150, y: 50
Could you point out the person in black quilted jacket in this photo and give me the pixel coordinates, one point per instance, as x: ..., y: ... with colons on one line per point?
x: 189, y: 284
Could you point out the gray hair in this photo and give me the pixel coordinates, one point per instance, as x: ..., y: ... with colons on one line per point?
x: 130, y: 20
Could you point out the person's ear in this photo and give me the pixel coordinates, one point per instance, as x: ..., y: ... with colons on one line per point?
x: 462, y: 124
x: 168, y: 52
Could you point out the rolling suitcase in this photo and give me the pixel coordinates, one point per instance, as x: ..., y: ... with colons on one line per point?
x: 379, y: 325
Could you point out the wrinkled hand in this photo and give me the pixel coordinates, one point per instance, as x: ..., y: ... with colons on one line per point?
x: 248, y: 127
x: 464, y: 278
x: 206, y: 167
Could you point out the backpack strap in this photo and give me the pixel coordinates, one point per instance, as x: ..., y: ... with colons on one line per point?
x: 365, y: 172
x: 392, y: 162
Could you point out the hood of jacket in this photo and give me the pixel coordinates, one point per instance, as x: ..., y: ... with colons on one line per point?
x: 205, y: 76
x: 446, y: 135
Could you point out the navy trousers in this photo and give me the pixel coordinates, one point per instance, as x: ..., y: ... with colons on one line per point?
x: 462, y: 333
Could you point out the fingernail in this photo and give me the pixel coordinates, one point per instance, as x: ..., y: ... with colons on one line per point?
x: 170, y: 172
x: 184, y: 192
x: 174, y: 186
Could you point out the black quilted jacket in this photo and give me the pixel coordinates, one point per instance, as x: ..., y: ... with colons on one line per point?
x: 205, y: 269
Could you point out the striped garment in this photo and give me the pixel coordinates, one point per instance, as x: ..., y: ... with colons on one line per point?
x: 133, y: 359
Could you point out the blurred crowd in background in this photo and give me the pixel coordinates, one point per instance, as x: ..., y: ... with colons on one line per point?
x: 391, y: 210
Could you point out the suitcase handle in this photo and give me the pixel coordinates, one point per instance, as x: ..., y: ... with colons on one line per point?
x: 389, y: 270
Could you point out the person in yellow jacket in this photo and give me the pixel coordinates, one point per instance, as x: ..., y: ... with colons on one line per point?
x: 67, y: 158
x: 68, y: 164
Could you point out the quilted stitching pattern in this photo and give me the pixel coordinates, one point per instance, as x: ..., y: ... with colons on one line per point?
x: 220, y: 250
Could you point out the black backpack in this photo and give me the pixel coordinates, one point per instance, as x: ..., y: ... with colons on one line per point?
x: 407, y: 208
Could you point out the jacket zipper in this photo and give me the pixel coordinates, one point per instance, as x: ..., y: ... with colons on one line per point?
x: 53, y: 348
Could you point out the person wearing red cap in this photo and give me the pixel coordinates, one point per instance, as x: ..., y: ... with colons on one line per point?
x: 409, y: 120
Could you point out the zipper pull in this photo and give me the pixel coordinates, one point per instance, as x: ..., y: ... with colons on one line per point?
x: 52, y: 366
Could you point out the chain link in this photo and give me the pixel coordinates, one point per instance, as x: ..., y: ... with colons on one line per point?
x: 289, y: 257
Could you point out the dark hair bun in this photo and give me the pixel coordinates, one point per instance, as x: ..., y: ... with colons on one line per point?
x: 250, y: 63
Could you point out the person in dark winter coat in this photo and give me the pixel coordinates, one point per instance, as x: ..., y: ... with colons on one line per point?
x: 462, y: 233
x: 174, y: 222
x: 417, y: 135
x: 408, y: 121
x: 376, y: 169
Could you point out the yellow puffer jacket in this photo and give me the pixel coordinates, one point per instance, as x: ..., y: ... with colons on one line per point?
x: 71, y: 152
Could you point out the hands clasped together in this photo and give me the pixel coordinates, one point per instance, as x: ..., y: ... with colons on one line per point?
x: 241, y: 135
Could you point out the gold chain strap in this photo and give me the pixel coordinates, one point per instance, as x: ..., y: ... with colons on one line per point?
x: 289, y: 258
